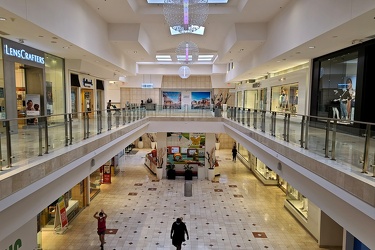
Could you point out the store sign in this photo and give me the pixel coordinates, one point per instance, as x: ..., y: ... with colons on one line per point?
x: 147, y: 85
x: 22, y: 54
x: 87, y: 82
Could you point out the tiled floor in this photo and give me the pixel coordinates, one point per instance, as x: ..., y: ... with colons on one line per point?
x: 245, y: 215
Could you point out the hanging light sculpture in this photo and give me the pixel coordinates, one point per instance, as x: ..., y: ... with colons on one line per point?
x: 187, y: 52
x: 185, y: 16
x: 184, y: 72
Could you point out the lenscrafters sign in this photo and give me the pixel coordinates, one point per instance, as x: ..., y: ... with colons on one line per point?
x: 13, y: 51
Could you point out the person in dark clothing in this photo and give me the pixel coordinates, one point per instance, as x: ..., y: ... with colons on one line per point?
x: 234, y: 153
x: 101, y: 226
x: 178, y: 231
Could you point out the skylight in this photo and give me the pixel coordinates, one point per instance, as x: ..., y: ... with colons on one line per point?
x: 209, y: 1
x: 205, y: 58
x: 163, y: 58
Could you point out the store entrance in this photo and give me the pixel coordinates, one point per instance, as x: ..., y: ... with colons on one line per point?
x: 29, y: 93
x: 87, y: 100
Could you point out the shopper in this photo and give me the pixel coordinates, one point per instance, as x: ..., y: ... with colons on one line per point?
x: 234, y: 153
x: 178, y: 231
x: 101, y: 226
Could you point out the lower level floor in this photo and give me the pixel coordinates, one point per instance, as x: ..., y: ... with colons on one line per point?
x: 237, y: 212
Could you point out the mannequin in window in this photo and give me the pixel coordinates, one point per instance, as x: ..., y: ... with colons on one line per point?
x: 350, y: 102
x: 344, y: 99
x: 283, y: 99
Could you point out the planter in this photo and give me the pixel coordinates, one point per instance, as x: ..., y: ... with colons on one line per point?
x: 188, y: 175
x: 217, y: 145
x: 159, y: 173
x: 171, y: 174
x: 140, y: 144
x: 153, y: 145
x: 225, y: 107
x: 211, y: 174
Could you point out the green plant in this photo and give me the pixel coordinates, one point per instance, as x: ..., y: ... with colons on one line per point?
x: 170, y: 167
x: 187, y: 167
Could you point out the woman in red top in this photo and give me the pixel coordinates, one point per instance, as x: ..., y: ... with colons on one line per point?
x: 101, y: 226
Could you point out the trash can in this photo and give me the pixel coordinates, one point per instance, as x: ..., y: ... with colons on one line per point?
x: 188, y: 192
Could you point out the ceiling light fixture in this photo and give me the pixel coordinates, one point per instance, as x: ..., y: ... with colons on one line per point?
x: 187, y: 52
x: 184, y: 72
x: 185, y: 16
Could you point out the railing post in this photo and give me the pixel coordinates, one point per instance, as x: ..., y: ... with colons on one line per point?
x: 288, y: 127
x: 84, y: 125
x: 284, y: 130
x: 307, y: 124
x: 367, y: 146
x: 274, y: 124
x: 248, y: 117
x: 243, y: 116
x: 302, y: 131
x: 46, y: 134
x: 9, y: 143
x: 255, y: 118
x: 263, y: 123
x: 40, y: 133
x: 70, y: 129
x: 88, y: 124
x: 333, y: 153
x: 117, y: 117
x: 66, y: 129
x: 326, y: 146
x: 234, y: 113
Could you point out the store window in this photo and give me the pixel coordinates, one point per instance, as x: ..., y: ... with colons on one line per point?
x: 251, y: 99
x: 55, y: 85
x: 243, y: 152
x: 239, y: 99
x: 265, y: 171
x: 297, y: 200
x: 285, y: 98
x: 2, y: 95
x: 337, y: 87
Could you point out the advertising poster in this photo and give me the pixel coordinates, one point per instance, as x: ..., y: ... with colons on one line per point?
x: 200, y: 100
x: 171, y: 100
x: 32, y: 105
x: 62, y: 213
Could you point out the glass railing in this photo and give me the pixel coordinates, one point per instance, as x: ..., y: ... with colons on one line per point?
x: 348, y: 142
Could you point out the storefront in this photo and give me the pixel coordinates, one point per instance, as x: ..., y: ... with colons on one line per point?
x: 342, y: 84
x: 284, y: 98
x: 33, y: 84
x: 86, y: 92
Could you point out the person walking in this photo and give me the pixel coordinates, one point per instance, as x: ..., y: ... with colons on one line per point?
x: 101, y: 226
x: 178, y: 231
x: 234, y: 153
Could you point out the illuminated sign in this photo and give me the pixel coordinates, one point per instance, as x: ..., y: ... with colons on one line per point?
x: 87, y: 82
x: 23, y: 54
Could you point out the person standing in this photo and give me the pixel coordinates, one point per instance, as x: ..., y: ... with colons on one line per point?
x: 109, y: 115
x: 178, y: 231
x: 234, y: 153
x: 101, y: 226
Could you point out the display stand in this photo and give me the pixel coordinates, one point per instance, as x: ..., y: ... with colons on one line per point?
x: 61, y: 218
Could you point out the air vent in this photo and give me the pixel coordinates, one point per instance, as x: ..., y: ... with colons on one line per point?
x: 2, y: 33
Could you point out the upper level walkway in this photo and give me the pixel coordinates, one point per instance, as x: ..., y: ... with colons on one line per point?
x: 328, y: 167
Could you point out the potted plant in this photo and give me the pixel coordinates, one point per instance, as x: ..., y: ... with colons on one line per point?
x: 211, y: 164
x: 159, y: 161
x: 217, y: 141
x: 188, y: 171
x: 140, y: 142
x: 152, y: 139
x: 171, y: 172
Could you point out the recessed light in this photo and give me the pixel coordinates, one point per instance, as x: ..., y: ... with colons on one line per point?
x: 40, y: 36
x: 53, y: 42
x: 54, y: 38
x: 311, y: 47
x: 3, y: 19
x: 65, y: 47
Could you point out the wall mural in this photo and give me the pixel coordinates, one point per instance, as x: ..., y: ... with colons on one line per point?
x: 200, y: 100
x: 171, y: 100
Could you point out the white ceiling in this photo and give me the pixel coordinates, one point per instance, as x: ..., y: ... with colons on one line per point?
x: 219, y: 25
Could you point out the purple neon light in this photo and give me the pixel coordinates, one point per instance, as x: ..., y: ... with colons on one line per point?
x: 186, y: 13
